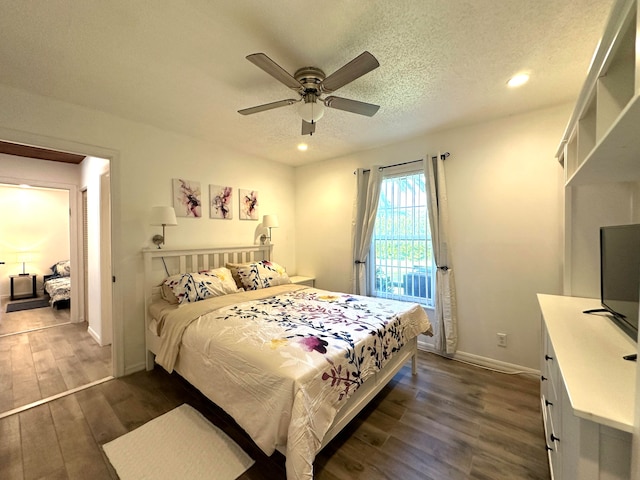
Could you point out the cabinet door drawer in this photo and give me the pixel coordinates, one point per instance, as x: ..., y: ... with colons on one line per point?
x: 550, y: 370
x: 552, y: 419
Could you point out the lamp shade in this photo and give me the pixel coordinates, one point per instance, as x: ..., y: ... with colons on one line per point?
x: 270, y: 221
x: 163, y: 216
x: 24, y: 257
x: 311, y: 112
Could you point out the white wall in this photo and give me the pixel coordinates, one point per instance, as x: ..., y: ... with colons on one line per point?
x: 37, y: 172
x: 143, y: 162
x: 34, y: 219
x: 505, y: 211
x: 591, y: 207
x: 91, y: 169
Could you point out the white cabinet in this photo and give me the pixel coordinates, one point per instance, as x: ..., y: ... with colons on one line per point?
x: 587, y: 391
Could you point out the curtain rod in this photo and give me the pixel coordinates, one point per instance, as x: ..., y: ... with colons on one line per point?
x: 443, y: 156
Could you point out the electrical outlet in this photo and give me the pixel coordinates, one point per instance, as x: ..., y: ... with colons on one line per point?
x: 502, y: 339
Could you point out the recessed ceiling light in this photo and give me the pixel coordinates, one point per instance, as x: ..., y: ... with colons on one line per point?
x: 303, y: 147
x: 517, y: 80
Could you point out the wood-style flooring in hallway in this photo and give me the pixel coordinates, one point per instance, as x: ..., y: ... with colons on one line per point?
x: 50, y: 356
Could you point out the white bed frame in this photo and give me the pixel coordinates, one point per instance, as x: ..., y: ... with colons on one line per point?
x: 160, y: 263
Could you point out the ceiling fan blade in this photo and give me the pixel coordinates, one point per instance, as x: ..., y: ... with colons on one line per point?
x: 267, y: 106
x: 363, y: 63
x: 353, y: 106
x: 272, y: 68
x: 308, y: 128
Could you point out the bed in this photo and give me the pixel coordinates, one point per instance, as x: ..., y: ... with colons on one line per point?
x: 290, y: 363
x: 58, y: 284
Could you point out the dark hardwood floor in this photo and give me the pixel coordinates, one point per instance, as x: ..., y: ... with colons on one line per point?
x: 451, y: 421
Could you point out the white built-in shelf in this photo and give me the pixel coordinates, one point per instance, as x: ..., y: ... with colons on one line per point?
x: 601, y: 142
x: 616, y: 157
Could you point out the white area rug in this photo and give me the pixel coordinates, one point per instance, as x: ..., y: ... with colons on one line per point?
x: 179, y: 444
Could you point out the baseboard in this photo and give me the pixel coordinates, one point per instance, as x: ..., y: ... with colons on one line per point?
x: 484, y: 362
x: 94, y: 335
x: 135, y: 368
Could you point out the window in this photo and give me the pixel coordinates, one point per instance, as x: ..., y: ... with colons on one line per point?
x: 401, y: 243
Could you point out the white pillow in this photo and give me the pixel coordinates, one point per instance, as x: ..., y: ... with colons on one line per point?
x: 193, y: 287
x: 262, y: 275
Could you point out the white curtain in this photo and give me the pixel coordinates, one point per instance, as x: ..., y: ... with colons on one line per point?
x: 446, y: 322
x: 364, y: 218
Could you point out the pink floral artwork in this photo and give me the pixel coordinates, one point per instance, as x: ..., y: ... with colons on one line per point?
x: 248, y: 204
x: 187, y: 198
x: 220, y: 202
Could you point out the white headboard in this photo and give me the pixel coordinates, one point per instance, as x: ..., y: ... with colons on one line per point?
x: 161, y: 263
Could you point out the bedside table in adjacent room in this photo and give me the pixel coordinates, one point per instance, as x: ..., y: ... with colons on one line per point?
x: 33, y: 293
x: 300, y: 280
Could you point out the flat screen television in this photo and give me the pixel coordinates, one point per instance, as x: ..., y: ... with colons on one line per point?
x: 620, y: 275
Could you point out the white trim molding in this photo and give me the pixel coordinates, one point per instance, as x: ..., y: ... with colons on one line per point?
x: 484, y: 362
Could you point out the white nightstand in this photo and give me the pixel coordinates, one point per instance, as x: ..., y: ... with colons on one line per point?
x: 300, y: 280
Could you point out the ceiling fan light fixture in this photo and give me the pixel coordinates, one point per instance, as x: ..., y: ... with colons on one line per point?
x: 310, y: 83
x: 311, y: 112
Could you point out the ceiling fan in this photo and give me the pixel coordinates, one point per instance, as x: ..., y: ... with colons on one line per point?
x: 311, y: 84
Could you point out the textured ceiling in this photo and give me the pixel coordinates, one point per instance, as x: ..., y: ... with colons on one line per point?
x: 180, y: 65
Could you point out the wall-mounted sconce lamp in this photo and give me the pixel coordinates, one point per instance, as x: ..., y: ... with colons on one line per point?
x: 269, y: 221
x: 23, y: 258
x: 165, y: 216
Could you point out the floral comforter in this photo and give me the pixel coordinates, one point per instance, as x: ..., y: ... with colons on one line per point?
x: 58, y: 288
x: 287, y: 362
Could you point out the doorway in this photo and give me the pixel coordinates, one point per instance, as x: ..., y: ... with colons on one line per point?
x: 35, y: 240
x: 94, y: 266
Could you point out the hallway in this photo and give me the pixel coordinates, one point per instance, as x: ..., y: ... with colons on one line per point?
x: 49, y: 357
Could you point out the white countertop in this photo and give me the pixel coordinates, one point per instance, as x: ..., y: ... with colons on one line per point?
x: 589, y: 350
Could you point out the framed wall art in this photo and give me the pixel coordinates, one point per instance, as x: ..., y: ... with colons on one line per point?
x: 248, y: 204
x: 187, y: 198
x: 220, y: 202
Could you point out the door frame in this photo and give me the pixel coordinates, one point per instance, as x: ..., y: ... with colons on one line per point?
x: 112, y: 156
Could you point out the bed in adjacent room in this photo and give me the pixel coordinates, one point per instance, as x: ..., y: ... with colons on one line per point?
x: 58, y: 284
x: 290, y: 363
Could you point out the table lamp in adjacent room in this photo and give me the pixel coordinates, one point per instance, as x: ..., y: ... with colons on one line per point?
x: 24, y: 258
x: 165, y: 216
